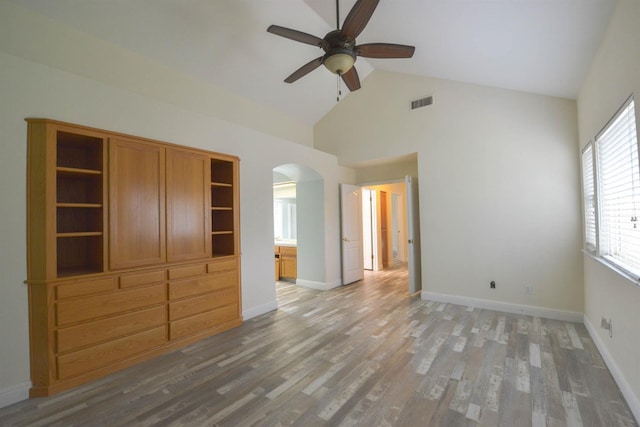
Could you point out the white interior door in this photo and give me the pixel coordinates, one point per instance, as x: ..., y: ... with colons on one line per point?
x: 413, y: 231
x: 367, y: 228
x: 351, y: 230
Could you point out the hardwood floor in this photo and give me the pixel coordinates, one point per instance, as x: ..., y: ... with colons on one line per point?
x: 367, y: 354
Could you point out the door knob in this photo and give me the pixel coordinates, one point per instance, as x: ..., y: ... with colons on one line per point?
x: 345, y: 239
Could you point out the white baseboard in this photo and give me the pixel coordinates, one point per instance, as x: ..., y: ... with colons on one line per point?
x: 14, y: 394
x: 618, y: 376
x: 527, y: 310
x: 261, y: 309
x: 322, y: 286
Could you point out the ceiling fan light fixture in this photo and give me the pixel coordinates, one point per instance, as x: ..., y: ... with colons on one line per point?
x: 340, y: 45
x: 339, y: 61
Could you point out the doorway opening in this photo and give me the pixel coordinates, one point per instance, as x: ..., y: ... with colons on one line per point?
x: 298, y: 224
x: 385, y: 242
x: 391, y: 235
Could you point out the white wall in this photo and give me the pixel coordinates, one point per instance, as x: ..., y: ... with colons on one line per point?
x: 498, y: 177
x: 35, y: 86
x: 613, y: 76
x: 310, y: 214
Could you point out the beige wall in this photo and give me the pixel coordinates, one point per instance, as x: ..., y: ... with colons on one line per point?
x: 498, y: 177
x: 79, y: 53
x: 43, y: 80
x: 387, y: 172
x: 614, y: 75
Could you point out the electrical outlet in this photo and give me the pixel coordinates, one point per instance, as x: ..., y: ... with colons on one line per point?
x: 528, y: 290
x: 604, y: 324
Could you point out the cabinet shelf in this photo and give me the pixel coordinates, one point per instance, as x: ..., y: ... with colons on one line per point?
x: 222, y: 171
x: 74, y: 218
x: 79, y: 188
x: 79, y: 152
x: 223, y: 203
x: 222, y: 197
x: 79, y: 168
x: 79, y: 205
x: 77, y: 171
x: 80, y: 234
x: 222, y: 244
x: 79, y: 251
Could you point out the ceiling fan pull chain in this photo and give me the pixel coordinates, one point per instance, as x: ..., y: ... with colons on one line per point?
x: 339, y: 89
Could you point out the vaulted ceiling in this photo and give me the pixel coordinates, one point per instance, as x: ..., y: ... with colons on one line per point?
x: 538, y: 46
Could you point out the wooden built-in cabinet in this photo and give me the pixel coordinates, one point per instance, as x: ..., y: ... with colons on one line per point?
x: 136, y: 204
x: 286, y: 262
x: 133, y: 250
x: 223, y: 214
x: 188, y: 226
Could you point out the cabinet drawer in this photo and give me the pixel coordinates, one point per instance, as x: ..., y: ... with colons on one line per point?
x: 203, y: 321
x: 189, y: 271
x: 143, y: 279
x: 86, y: 288
x: 288, y: 250
x: 80, y: 362
x: 222, y: 265
x: 104, y: 305
x: 186, y: 288
x: 191, y: 306
x: 101, y: 330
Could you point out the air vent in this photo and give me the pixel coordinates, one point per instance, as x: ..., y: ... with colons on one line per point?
x: 419, y: 103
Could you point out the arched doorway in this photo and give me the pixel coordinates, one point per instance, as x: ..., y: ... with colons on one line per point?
x: 299, y: 223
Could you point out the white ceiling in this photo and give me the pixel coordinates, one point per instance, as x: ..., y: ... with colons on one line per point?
x: 539, y: 46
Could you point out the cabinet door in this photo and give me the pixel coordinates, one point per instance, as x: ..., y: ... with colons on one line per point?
x: 188, y: 205
x: 137, y: 204
x: 288, y: 266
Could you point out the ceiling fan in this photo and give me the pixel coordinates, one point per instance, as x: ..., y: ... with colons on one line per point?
x: 340, y: 46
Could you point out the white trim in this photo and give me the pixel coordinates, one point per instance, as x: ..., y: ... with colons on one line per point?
x: 321, y: 286
x: 618, y: 376
x: 14, y: 394
x: 528, y: 310
x: 617, y: 269
x: 261, y: 309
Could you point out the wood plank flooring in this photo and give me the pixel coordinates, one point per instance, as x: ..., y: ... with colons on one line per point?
x: 367, y: 354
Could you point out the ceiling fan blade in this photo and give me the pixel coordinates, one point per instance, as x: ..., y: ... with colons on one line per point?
x: 296, y: 35
x: 358, y: 17
x: 351, y: 79
x: 304, y: 70
x: 384, y: 50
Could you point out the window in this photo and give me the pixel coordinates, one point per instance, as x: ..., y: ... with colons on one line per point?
x: 284, y: 217
x: 589, y: 197
x: 284, y: 212
x: 612, y: 195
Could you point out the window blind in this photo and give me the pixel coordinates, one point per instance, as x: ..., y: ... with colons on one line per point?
x: 589, y: 198
x: 619, y: 191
